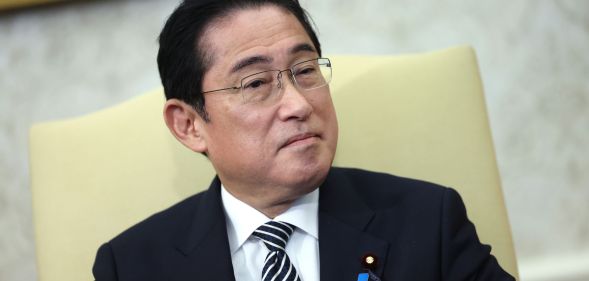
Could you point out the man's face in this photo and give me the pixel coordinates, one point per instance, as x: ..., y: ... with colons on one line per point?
x: 284, y: 147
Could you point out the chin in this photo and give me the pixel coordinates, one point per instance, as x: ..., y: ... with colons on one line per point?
x: 305, y: 169
x: 308, y: 177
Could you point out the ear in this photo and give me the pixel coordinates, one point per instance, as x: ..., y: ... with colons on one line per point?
x: 185, y: 124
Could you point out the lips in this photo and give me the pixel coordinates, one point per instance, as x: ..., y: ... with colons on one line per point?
x: 299, y: 138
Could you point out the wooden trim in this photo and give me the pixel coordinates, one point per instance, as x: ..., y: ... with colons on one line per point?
x: 14, y: 4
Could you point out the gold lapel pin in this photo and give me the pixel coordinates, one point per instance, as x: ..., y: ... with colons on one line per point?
x: 369, y: 261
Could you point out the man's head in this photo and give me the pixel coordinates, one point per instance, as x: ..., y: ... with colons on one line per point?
x: 268, y: 124
x: 184, y: 51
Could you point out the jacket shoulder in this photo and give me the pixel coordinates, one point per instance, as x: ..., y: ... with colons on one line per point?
x: 159, y: 227
x: 379, y: 189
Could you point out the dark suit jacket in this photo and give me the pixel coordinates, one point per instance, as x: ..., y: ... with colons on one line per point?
x: 417, y: 230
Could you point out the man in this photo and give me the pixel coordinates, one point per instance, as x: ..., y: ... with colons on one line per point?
x: 247, y: 87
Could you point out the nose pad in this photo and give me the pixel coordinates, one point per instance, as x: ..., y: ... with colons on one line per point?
x: 279, y: 78
x: 281, y: 85
x: 290, y: 76
x: 294, y: 105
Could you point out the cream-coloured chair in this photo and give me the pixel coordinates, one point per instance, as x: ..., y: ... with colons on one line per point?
x: 419, y: 116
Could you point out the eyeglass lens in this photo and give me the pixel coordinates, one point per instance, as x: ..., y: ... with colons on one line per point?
x: 306, y: 75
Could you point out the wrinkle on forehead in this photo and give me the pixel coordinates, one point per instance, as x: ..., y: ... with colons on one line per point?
x: 232, y: 20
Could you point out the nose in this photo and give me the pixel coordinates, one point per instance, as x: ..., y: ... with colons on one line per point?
x: 294, y: 104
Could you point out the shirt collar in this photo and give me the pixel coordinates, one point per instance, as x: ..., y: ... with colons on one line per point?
x: 242, y: 219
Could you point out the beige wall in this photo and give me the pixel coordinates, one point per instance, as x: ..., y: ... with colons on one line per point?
x: 66, y: 60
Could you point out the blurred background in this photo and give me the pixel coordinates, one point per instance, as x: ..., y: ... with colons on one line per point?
x: 74, y: 57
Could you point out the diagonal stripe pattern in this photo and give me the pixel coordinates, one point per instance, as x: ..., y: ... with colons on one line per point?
x: 277, y: 265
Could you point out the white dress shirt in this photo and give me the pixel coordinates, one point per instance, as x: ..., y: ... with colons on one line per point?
x: 248, y: 253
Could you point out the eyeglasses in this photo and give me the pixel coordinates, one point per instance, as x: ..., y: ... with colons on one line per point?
x: 306, y: 75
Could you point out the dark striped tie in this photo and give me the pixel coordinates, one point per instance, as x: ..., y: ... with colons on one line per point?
x: 277, y: 265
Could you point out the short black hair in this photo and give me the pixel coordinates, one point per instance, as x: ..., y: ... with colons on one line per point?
x: 182, y: 60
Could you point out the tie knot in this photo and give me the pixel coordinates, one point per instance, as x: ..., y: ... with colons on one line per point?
x: 274, y: 234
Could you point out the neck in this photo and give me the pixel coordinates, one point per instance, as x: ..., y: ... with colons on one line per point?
x: 270, y: 200
x: 273, y: 211
x: 267, y: 203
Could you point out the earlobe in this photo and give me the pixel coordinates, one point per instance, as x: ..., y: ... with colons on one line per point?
x: 185, y: 124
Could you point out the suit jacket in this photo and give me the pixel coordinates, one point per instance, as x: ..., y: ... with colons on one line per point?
x: 417, y: 231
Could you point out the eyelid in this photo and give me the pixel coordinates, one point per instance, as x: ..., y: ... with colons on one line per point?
x: 296, y: 65
x: 245, y: 81
x: 303, y: 61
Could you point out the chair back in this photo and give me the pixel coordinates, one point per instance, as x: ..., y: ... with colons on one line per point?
x: 420, y: 116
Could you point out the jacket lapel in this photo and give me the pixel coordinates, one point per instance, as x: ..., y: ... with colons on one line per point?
x: 203, y: 240
x: 343, y: 219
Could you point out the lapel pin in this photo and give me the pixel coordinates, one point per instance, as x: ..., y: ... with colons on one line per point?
x: 369, y: 261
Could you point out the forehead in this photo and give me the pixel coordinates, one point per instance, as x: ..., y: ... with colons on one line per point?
x: 268, y: 31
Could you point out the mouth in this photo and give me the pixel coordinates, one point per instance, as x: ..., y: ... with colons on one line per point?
x: 300, y: 139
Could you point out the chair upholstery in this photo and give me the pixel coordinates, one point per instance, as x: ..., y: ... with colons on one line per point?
x: 420, y: 116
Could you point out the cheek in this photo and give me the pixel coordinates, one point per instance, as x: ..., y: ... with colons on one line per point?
x: 323, y: 105
x: 327, y: 114
x: 254, y: 128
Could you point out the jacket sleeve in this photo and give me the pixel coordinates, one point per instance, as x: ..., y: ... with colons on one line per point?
x: 463, y: 255
x: 104, y: 266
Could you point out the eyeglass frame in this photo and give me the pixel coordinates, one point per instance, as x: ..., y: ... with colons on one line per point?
x: 278, y: 77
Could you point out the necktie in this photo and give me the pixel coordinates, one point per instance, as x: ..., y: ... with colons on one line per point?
x: 277, y: 265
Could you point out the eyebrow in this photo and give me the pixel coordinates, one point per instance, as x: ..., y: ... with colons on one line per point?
x: 303, y: 47
x: 250, y: 61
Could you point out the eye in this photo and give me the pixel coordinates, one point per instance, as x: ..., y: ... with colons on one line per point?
x: 254, y: 84
x: 306, y: 70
